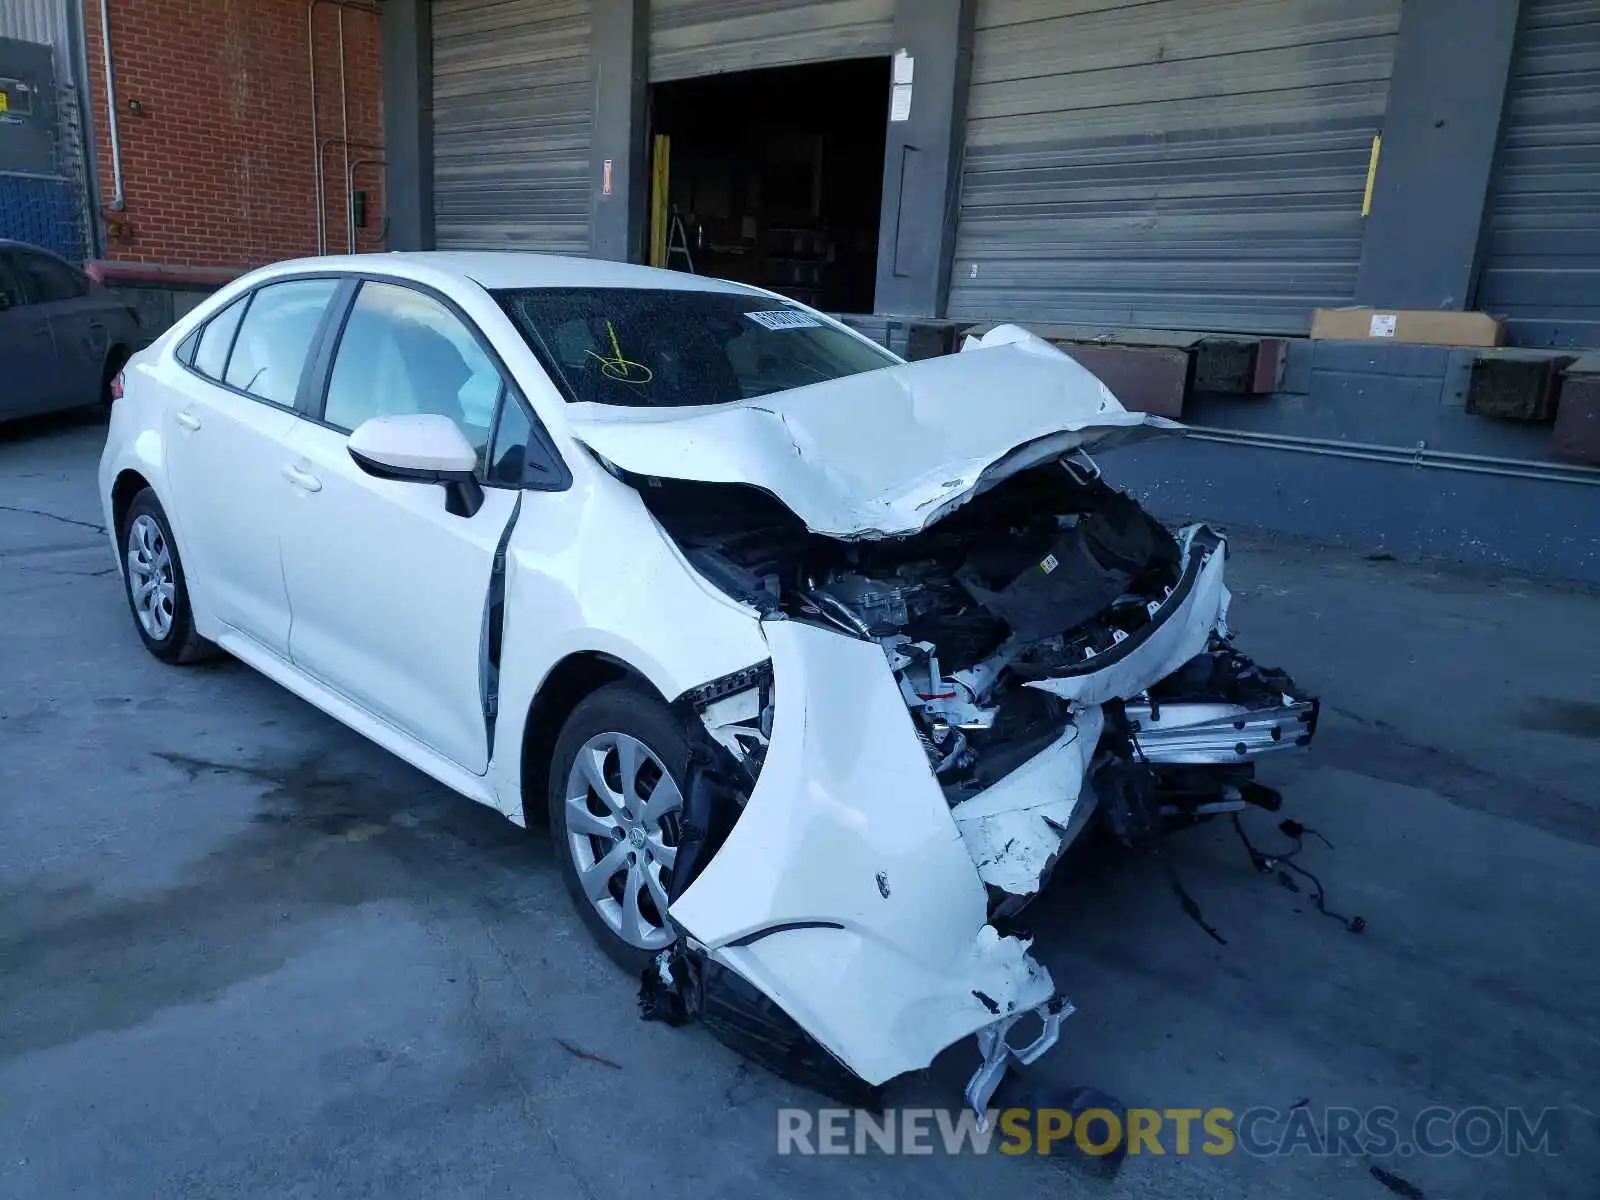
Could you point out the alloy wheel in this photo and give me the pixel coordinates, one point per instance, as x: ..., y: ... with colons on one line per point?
x: 622, y: 809
x: 151, y: 583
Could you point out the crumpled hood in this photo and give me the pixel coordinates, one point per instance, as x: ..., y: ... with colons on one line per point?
x: 884, y: 453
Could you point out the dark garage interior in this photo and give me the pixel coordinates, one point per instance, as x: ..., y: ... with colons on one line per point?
x: 777, y: 177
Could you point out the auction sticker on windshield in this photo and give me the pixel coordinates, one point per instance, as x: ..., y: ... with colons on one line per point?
x: 784, y: 318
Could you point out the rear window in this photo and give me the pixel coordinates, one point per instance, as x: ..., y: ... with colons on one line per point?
x: 49, y: 280
x: 216, y: 339
x: 671, y: 349
x: 270, y: 350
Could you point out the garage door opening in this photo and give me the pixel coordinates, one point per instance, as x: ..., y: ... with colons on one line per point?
x: 774, y: 178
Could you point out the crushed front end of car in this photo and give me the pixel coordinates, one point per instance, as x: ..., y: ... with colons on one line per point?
x: 979, y: 650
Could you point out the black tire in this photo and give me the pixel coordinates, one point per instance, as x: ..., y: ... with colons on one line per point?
x: 618, y: 708
x: 180, y: 643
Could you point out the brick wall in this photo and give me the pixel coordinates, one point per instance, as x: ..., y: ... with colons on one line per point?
x: 218, y: 163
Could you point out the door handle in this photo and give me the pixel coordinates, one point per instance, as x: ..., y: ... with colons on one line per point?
x: 302, y: 479
x: 187, y: 419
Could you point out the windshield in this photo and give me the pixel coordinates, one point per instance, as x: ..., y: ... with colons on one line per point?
x: 668, y: 349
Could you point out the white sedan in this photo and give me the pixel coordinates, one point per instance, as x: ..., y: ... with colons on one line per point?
x: 816, y: 661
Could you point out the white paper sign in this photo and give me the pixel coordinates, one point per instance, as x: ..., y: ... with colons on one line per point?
x: 904, y: 67
x: 1382, y: 325
x: 900, y: 102
x: 784, y: 318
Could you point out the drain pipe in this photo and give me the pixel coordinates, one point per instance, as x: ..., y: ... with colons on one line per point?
x: 316, y: 143
x: 118, y: 199
x: 318, y: 174
x: 344, y: 136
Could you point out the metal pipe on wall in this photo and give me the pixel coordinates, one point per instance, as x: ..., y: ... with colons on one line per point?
x: 344, y: 136
x: 1419, y: 456
x: 118, y: 199
x: 350, y: 192
x: 83, y: 97
x: 322, y: 153
x: 317, y: 144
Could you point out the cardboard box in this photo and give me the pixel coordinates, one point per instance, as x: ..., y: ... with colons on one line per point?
x: 1422, y: 327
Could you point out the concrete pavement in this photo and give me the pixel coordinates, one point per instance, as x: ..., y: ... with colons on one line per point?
x: 243, y: 951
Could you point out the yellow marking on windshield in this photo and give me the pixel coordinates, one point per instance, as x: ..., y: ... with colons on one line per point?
x: 619, y: 367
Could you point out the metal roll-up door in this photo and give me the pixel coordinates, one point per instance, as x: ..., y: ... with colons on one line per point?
x: 1178, y: 164
x: 512, y: 100
x: 1543, y: 265
x: 707, y: 37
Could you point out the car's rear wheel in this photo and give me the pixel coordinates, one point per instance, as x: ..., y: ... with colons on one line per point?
x: 616, y: 797
x: 152, y: 575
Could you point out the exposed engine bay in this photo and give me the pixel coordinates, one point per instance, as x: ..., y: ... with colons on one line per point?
x: 987, y: 617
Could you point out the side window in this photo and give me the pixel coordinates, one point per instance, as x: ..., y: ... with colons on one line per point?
x: 49, y: 280
x: 11, y: 295
x: 403, y: 352
x: 275, y: 338
x: 216, y: 339
x: 507, y: 460
x: 522, y: 456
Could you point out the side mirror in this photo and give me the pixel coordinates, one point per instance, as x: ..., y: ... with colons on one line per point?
x: 421, y: 448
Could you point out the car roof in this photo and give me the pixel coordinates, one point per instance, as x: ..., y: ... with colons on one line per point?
x: 14, y: 244
x: 509, y: 269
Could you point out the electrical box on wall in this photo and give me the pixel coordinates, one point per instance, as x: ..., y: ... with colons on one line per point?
x: 16, y: 101
x: 27, y: 108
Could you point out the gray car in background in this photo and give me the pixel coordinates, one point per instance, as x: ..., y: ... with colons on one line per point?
x: 63, y: 337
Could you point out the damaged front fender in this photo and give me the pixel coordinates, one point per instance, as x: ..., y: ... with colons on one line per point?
x: 845, y: 892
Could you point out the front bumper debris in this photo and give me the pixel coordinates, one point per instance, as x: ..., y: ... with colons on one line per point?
x: 1016, y: 830
x: 1215, y: 733
x: 998, y: 1052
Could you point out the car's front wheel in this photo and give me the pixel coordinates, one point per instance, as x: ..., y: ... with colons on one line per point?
x: 152, y: 574
x: 616, y: 798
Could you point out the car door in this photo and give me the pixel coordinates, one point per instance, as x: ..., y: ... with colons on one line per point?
x: 226, y: 431
x: 77, y: 324
x: 28, y: 383
x: 390, y: 592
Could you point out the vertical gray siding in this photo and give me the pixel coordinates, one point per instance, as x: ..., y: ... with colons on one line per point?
x: 512, y: 100
x: 708, y: 37
x: 1194, y: 164
x: 42, y: 21
x: 1543, y: 265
